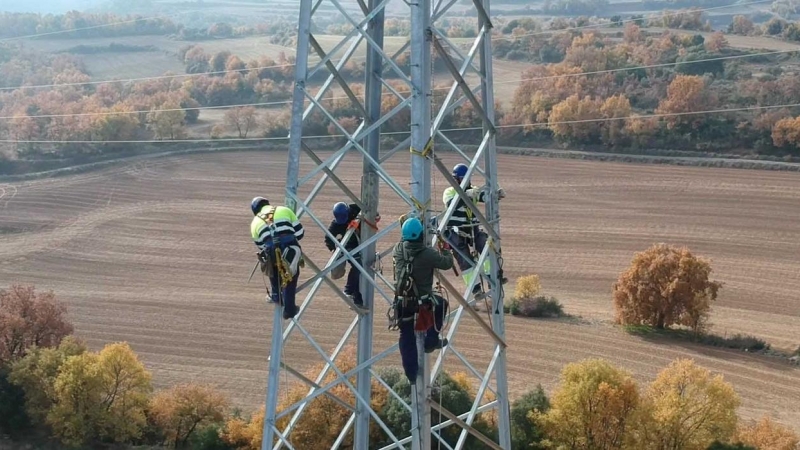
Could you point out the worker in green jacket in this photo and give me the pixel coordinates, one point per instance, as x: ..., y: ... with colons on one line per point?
x: 414, y: 265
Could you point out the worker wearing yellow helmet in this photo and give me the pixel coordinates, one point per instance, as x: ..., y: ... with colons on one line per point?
x: 277, y: 227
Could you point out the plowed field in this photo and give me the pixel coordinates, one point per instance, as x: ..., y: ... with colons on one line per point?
x: 157, y: 253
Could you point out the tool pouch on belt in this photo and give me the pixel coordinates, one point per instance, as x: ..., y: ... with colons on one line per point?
x: 266, y: 263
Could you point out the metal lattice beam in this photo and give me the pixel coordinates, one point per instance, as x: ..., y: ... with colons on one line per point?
x: 382, y: 72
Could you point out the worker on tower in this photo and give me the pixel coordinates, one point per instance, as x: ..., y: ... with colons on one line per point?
x: 277, y: 232
x: 345, y: 217
x: 416, y: 307
x: 462, y: 230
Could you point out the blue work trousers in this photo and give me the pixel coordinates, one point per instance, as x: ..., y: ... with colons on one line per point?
x: 408, y: 340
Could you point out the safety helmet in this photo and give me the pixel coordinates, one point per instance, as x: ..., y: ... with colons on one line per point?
x: 412, y: 229
x: 341, y: 213
x: 460, y: 171
x: 257, y: 204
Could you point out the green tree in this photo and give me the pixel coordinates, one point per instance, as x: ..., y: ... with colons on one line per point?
x: 14, y: 421
x: 167, y: 123
x: 525, y: 434
x: 36, y: 373
x: 100, y: 396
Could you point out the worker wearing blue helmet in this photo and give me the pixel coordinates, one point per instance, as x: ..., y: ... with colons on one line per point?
x: 462, y: 231
x: 345, y: 217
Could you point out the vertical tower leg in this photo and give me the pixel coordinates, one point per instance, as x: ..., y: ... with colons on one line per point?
x: 493, y: 215
x: 292, y: 173
x: 370, y: 197
x: 272, y: 383
x: 421, y: 192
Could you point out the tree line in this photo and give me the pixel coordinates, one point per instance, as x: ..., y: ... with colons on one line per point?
x: 52, y: 385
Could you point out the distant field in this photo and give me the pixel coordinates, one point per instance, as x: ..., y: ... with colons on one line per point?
x: 114, y: 245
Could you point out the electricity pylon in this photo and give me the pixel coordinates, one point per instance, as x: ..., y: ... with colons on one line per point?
x: 468, y: 72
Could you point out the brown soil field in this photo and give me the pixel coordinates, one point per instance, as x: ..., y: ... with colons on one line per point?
x: 157, y: 254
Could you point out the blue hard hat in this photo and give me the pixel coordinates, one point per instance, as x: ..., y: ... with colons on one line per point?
x: 341, y: 213
x: 460, y: 171
x: 412, y: 229
x: 257, y: 204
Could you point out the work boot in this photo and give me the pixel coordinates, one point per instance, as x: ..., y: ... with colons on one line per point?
x: 440, y: 343
x: 289, y: 313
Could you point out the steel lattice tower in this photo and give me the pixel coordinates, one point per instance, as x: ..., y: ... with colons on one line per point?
x: 426, y: 39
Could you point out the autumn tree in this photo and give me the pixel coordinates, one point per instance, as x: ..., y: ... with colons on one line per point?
x: 741, y: 25
x: 686, y: 95
x: 640, y: 129
x: 786, y: 132
x: 687, y: 408
x: 576, y: 120
x: 36, y: 374
x: 241, y: 119
x: 183, y: 409
x: 115, y: 124
x: 616, y: 109
x: 593, y: 408
x: 100, y: 396
x: 234, y: 63
x: 28, y: 319
x: 632, y: 33
x: 716, y: 42
x: 218, y: 61
x: 244, y: 434
x: 665, y: 286
x: 766, y: 434
x: 167, y: 122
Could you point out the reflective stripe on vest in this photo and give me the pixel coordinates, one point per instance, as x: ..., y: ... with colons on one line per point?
x: 461, y: 215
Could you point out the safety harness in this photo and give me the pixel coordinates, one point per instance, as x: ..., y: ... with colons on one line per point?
x: 407, y: 300
x: 273, y: 251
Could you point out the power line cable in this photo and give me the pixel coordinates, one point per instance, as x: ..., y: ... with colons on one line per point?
x: 286, y: 102
x: 542, y: 124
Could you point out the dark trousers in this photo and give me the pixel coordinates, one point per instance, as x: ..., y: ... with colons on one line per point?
x: 408, y: 340
x: 461, y: 245
x: 352, y: 286
x: 287, y: 297
x: 291, y: 250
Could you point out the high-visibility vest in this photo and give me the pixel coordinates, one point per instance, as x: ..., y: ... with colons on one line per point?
x: 462, y: 215
x: 284, y: 223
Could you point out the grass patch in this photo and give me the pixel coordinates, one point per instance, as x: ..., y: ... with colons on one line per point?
x: 737, y: 341
x: 539, y: 306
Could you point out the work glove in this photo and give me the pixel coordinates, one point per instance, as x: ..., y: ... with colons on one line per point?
x: 473, y: 193
x: 501, y: 193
